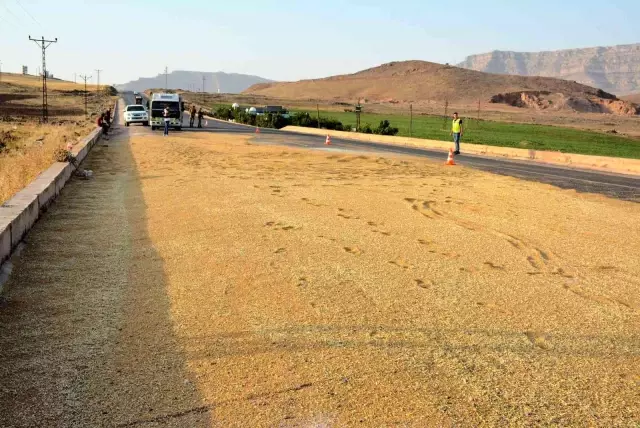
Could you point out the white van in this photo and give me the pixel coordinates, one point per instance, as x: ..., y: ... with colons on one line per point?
x: 156, y: 108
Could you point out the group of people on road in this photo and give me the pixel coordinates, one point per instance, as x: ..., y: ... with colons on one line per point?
x: 104, y: 122
x: 192, y: 116
x: 193, y: 113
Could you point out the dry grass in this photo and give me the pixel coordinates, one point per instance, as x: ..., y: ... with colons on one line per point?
x: 52, y: 84
x: 233, y: 284
x: 26, y: 146
x: 30, y: 151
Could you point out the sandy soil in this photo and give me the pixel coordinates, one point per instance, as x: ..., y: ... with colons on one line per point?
x: 210, y: 281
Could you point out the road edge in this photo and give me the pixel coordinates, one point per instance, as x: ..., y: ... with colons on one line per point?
x: 597, y: 163
x: 20, y: 213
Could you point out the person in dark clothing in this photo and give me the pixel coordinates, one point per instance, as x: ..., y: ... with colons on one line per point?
x: 107, y: 117
x: 102, y: 123
x: 192, y: 115
x: 200, y: 116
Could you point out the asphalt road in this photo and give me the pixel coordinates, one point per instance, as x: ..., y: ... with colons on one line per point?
x: 612, y: 185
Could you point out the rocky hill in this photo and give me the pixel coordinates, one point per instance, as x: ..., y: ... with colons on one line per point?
x: 614, y: 69
x: 415, y: 81
x: 228, y: 83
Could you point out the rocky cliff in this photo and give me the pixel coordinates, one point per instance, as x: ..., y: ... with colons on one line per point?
x: 614, y: 69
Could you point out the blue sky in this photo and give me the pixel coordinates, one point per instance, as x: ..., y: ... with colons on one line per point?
x: 291, y: 40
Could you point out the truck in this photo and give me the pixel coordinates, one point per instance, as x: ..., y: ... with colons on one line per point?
x: 138, y: 99
x: 157, y: 105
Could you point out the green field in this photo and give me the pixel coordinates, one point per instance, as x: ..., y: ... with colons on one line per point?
x: 524, y: 136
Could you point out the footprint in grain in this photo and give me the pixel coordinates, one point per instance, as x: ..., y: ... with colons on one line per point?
x: 538, y: 340
x: 423, y: 284
x: 353, y: 250
x: 401, y: 264
x: 494, y: 266
x: 279, y: 226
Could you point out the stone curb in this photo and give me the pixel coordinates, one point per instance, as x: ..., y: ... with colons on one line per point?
x: 19, y: 214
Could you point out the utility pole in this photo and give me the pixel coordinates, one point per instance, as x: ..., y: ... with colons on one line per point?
x: 411, y: 120
x: 98, y: 86
x: 203, y: 79
x: 44, y: 44
x: 85, y: 77
x: 446, y: 115
x: 166, y: 86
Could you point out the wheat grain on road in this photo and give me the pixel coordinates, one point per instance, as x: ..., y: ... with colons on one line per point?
x: 204, y: 280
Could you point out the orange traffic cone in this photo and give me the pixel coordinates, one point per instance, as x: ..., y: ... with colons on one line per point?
x: 257, y: 130
x: 327, y: 142
x: 450, y: 158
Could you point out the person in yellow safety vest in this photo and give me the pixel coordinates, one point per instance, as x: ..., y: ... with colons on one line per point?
x: 457, y: 131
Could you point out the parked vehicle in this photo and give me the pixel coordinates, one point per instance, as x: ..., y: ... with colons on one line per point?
x: 176, y: 108
x: 135, y: 113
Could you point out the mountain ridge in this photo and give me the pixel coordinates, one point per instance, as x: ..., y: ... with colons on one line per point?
x: 230, y: 83
x: 614, y: 69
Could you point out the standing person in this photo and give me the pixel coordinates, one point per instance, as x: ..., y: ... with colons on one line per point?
x: 457, y: 131
x: 107, y: 116
x: 200, y: 116
x: 192, y: 115
x: 165, y: 115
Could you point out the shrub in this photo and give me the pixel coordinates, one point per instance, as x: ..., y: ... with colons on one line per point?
x: 385, y: 128
x: 224, y: 113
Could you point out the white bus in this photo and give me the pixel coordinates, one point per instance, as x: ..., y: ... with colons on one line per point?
x: 156, y: 108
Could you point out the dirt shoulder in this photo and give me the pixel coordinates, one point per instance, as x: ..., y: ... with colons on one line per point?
x: 242, y: 285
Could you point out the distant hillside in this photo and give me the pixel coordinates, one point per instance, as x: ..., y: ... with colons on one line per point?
x: 192, y: 80
x: 412, y: 81
x: 634, y: 98
x: 614, y: 69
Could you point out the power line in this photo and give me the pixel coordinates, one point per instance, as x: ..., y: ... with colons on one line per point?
x: 11, y: 13
x: 44, y: 44
x: 85, y: 77
x: 98, y: 85
x: 2, y: 19
x: 27, y: 12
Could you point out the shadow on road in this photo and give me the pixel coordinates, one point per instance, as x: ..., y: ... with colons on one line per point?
x: 86, y: 335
